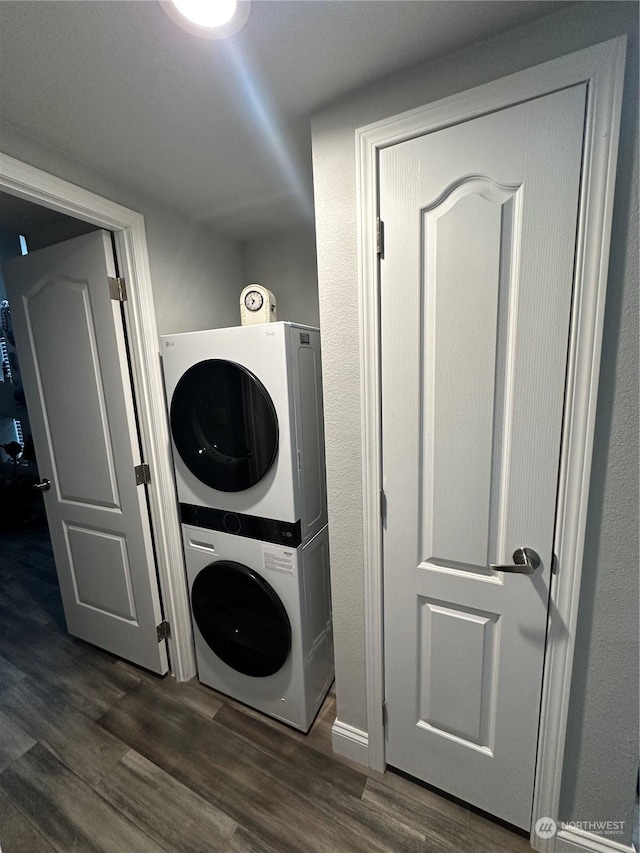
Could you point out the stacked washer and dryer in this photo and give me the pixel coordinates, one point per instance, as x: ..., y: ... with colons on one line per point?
x: 245, y: 407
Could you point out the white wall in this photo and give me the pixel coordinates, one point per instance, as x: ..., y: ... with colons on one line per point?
x: 197, y: 275
x: 286, y: 265
x: 601, y: 760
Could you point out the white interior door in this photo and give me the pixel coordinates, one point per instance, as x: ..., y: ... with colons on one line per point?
x: 71, y: 347
x: 476, y: 285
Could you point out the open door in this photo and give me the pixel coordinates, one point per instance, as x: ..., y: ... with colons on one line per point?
x: 71, y: 345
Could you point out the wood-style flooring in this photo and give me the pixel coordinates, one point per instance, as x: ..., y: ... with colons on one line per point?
x: 96, y: 754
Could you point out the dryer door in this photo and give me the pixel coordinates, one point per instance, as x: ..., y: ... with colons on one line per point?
x: 241, y: 618
x: 224, y: 425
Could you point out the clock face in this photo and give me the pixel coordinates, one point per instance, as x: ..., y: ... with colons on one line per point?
x: 253, y: 300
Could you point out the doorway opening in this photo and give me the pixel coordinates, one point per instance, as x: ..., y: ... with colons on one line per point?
x: 29, y: 184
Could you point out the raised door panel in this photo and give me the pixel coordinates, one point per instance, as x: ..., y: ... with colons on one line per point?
x: 469, y: 238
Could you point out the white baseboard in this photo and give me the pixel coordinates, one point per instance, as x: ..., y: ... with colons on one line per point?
x: 574, y: 840
x: 350, y: 742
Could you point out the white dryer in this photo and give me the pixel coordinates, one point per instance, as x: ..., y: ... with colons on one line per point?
x: 247, y: 429
x: 262, y: 621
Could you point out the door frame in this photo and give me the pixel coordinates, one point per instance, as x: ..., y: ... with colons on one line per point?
x: 34, y: 185
x: 602, y: 68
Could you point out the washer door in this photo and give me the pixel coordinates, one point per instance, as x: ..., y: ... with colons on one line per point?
x: 224, y: 425
x: 241, y: 618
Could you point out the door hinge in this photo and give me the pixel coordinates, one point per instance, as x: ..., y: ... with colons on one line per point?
x: 383, y: 505
x: 163, y: 630
x: 385, y: 715
x: 117, y: 289
x: 380, y: 238
x: 143, y: 474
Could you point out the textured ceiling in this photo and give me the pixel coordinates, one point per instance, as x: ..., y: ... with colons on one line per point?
x: 216, y: 129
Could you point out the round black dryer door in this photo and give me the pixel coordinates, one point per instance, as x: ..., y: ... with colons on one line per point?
x: 241, y: 618
x: 224, y: 425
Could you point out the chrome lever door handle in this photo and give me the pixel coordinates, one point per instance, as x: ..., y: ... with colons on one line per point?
x: 525, y: 562
x: 43, y: 486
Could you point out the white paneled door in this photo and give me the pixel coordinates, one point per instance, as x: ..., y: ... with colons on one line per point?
x: 476, y: 290
x: 71, y: 345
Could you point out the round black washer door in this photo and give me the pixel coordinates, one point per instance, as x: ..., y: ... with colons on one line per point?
x: 241, y: 618
x: 224, y: 425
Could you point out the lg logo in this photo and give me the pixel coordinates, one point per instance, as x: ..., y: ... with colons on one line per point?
x: 170, y: 343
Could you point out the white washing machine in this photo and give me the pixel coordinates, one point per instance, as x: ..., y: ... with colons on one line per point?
x: 262, y: 621
x: 247, y: 429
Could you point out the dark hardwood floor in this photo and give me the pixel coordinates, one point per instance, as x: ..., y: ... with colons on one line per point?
x: 96, y: 754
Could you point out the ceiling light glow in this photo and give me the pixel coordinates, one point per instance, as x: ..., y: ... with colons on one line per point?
x: 207, y: 13
x: 208, y: 19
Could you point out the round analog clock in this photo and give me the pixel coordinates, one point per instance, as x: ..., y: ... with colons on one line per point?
x: 253, y: 300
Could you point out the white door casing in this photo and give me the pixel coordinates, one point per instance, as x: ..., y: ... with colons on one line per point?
x: 602, y: 68
x: 128, y: 227
x: 71, y: 345
x: 476, y: 282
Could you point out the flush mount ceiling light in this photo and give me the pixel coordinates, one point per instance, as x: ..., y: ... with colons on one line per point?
x: 208, y: 18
